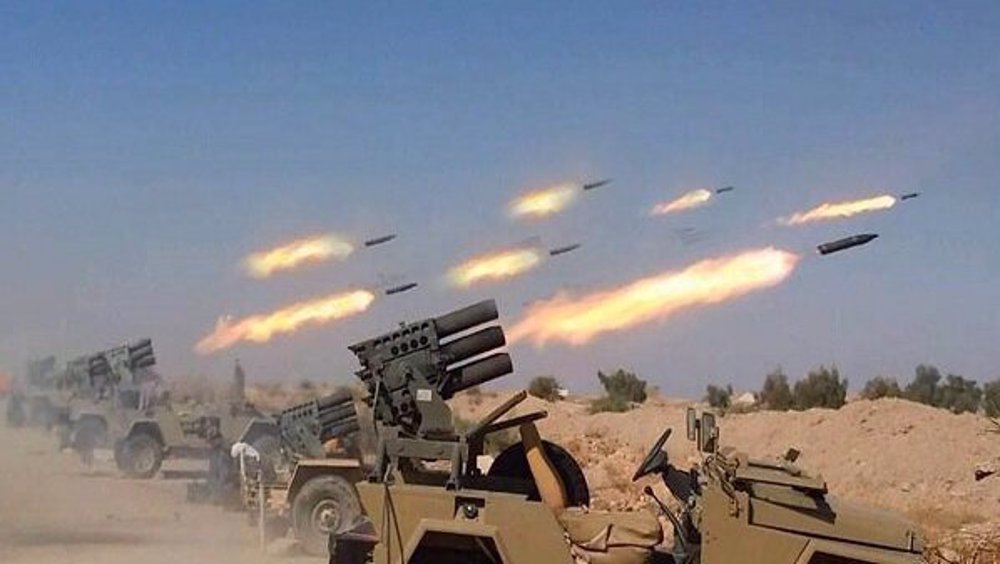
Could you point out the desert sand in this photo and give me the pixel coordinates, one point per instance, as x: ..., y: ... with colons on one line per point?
x: 891, y: 453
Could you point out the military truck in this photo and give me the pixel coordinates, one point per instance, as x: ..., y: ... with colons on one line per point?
x: 130, y: 414
x: 304, y: 463
x: 532, y: 504
x: 72, y: 389
x: 31, y: 403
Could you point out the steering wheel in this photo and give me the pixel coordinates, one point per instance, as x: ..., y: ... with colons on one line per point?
x: 656, y: 459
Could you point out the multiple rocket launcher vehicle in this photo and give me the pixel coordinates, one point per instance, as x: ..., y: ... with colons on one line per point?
x: 410, y: 373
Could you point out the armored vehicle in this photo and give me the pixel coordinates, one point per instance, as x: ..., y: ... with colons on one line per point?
x: 425, y: 501
x: 302, y: 467
x: 31, y: 403
x: 129, y: 413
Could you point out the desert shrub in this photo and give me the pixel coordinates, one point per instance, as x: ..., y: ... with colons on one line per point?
x: 924, y: 387
x: 192, y: 388
x: 738, y: 408
x: 959, y: 395
x: 776, y: 394
x: 964, y: 546
x: 611, y: 404
x: 820, y: 388
x: 544, y: 387
x: 881, y: 387
x: 475, y: 395
x: 623, y: 385
x: 719, y: 397
x: 991, y: 398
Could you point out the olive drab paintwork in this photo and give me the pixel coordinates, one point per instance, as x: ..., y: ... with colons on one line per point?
x: 529, y: 508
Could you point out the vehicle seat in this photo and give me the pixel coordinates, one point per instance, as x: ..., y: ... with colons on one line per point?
x: 597, y: 537
x: 604, y: 537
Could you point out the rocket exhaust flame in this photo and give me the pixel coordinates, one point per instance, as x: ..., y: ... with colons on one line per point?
x: 261, y: 328
x: 544, y: 202
x: 689, y: 201
x: 839, y: 210
x: 495, y: 266
x: 310, y: 250
x: 578, y: 320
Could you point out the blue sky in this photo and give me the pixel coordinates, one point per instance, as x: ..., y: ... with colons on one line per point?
x: 145, y: 148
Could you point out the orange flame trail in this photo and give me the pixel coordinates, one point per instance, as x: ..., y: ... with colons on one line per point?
x: 577, y: 321
x: 689, y: 201
x: 261, y: 328
x: 314, y: 249
x: 495, y: 266
x: 838, y: 210
x: 544, y: 202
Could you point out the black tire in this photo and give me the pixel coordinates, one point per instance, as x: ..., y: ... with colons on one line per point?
x: 141, y: 456
x: 49, y: 417
x: 89, y: 434
x: 325, y: 505
x: 512, y: 463
x: 15, y: 412
x: 64, y: 434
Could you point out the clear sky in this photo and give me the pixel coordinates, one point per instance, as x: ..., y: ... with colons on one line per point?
x: 145, y: 148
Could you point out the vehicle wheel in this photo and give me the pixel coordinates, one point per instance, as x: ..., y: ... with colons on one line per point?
x: 15, y: 412
x: 272, y: 458
x: 512, y: 463
x: 48, y: 418
x: 325, y: 505
x: 223, y: 478
x: 141, y: 456
x: 64, y: 433
x: 88, y: 436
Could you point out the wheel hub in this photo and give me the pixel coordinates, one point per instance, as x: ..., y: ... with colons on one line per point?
x: 326, y: 516
x: 142, y: 459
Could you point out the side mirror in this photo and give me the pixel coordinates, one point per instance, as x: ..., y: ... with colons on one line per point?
x: 692, y: 424
x: 709, y: 438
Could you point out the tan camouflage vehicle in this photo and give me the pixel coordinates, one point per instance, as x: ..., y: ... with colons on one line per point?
x: 531, y: 507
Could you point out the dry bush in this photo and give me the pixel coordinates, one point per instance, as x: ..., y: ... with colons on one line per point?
x: 965, y: 547
x: 616, y: 477
x: 475, y: 395
x: 939, y: 519
x: 545, y: 388
x: 575, y: 447
x: 739, y: 408
x: 193, y: 388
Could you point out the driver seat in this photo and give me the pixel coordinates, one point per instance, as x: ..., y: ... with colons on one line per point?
x: 597, y: 537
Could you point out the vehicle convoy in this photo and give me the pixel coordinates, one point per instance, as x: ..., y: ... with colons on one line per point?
x: 531, y: 507
x: 307, y: 461
x: 128, y: 413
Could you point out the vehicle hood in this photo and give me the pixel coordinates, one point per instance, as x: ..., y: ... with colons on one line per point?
x: 793, y: 511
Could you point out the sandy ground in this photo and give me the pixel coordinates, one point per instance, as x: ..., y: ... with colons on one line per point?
x: 53, y: 510
x: 894, y: 454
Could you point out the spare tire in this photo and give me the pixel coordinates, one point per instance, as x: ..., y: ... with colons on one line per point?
x: 512, y: 463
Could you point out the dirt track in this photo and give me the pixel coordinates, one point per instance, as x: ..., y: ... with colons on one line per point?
x: 53, y: 510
